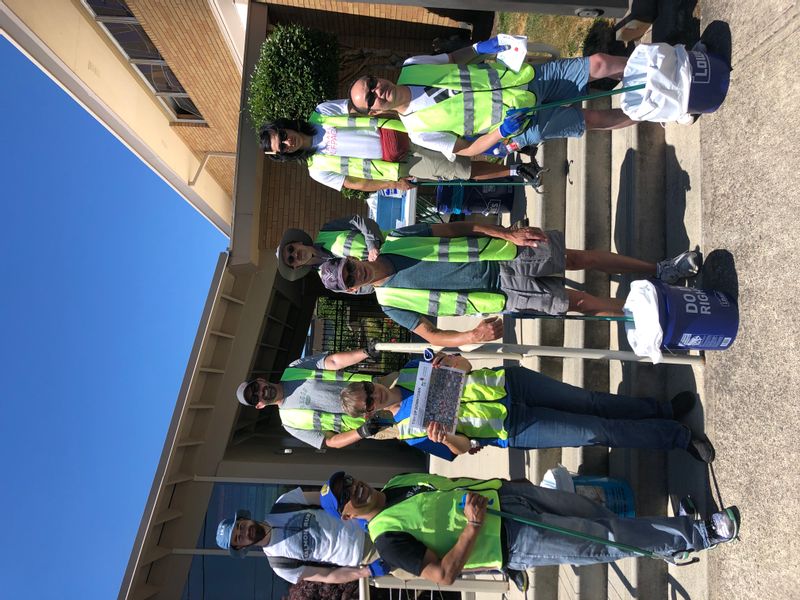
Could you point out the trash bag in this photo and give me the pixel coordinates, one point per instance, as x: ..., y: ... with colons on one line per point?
x: 667, y: 74
x: 644, y: 334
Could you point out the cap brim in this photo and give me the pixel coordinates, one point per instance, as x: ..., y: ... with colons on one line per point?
x: 293, y: 235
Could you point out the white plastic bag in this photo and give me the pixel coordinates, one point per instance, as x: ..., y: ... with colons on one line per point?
x: 644, y: 334
x: 667, y: 74
x: 558, y: 478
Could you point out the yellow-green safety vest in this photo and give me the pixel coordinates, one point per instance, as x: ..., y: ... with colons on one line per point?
x: 436, y: 519
x: 480, y: 415
x: 363, y: 168
x: 439, y: 249
x: 487, y: 91
x: 318, y: 420
x: 343, y: 243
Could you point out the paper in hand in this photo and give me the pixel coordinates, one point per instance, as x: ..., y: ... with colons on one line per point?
x: 515, y: 55
x: 437, y: 396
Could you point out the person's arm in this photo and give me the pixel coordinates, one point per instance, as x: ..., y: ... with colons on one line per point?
x: 373, y: 185
x: 444, y: 570
x: 334, y: 575
x: 454, y: 361
x: 342, y: 360
x: 477, y: 146
x: 487, y: 330
x: 340, y: 440
x: 521, y: 236
x: 455, y: 442
x: 373, y: 236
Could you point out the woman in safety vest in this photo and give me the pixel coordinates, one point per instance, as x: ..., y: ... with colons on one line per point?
x: 359, y: 237
x: 515, y: 407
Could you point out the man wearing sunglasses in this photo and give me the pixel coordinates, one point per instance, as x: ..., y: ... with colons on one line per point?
x: 357, y: 236
x: 462, y: 109
x: 515, y: 407
x: 302, y: 542
x: 436, y: 528
x: 361, y: 153
x: 468, y: 268
x: 307, y: 398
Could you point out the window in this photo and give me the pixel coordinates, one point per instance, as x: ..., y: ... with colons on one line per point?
x: 130, y: 37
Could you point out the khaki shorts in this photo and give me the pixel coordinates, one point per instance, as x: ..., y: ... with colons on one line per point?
x: 432, y: 165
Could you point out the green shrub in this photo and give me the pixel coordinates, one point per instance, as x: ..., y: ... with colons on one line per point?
x: 298, y: 68
x: 355, y: 194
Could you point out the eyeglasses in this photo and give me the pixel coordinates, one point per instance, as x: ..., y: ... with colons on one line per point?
x: 369, y: 401
x: 347, y: 490
x: 349, y: 274
x: 289, y: 258
x: 282, y: 137
x: 371, y: 96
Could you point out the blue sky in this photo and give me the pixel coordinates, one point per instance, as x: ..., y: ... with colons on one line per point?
x: 105, y: 270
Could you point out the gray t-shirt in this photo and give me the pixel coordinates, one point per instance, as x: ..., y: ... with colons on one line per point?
x: 312, y: 394
x: 428, y: 275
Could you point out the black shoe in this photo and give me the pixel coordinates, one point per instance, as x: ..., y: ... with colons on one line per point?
x: 520, y: 579
x: 687, y: 507
x: 701, y: 450
x: 682, y: 404
x: 532, y: 173
x: 723, y: 526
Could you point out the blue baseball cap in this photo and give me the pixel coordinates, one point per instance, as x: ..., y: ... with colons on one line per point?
x: 225, y: 532
x: 328, y: 499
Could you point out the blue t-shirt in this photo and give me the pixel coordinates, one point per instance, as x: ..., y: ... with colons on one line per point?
x: 424, y: 443
x: 430, y: 275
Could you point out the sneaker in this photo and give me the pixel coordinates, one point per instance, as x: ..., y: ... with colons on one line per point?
x: 682, y: 404
x: 723, y: 526
x: 687, y: 119
x: 520, y: 579
x: 701, y: 450
x: 532, y: 173
x: 682, y: 266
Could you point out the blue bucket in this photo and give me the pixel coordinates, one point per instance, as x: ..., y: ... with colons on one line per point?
x: 615, y: 494
x: 694, y: 319
x: 711, y: 76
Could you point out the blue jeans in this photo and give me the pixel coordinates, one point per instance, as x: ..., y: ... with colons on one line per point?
x: 545, y: 413
x: 529, y: 546
x: 557, y: 80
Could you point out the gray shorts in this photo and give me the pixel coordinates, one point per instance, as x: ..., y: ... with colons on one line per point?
x: 534, y: 280
x: 432, y: 165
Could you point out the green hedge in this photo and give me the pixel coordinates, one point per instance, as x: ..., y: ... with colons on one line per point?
x: 298, y: 68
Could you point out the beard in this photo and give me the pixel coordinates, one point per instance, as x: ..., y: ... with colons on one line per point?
x: 259, y: 532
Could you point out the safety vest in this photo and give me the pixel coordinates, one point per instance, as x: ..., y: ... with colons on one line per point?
x: 487, y: 91
x: 480, y: 415
x: 436, y: 519
x: 318, y: 420
x: 442, y: 302
x: 343, y: 243
x: 363, y: 168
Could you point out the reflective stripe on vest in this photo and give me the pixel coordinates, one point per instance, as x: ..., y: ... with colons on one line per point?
x: 440, y: 302
x: 486, y: 92
x: 363, y: 168
x: 454, y: 250
x: 354, y: 122
x: 480, y: 415
x: 318, y: 420
x: 436, y: 519
x: 343, y: 243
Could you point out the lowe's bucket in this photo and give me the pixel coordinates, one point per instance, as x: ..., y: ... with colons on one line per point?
x: 693, y: 319
x: 615, y: 494
x: 711, y: 76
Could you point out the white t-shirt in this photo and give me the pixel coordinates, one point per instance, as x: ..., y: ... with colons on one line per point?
x: 337, y: 141
x: 313, y: 536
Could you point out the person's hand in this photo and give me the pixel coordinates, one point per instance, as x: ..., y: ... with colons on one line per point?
x: 379, y: 568
x: 371, y: 351
x: 516, y: 121
x: 475, y: 507
x: 454, y: 361
x: 487, y: 330
x: 404, y: 183
x: 373, y: 254
x: 373, y: 426
x: 437, y: 432
x: 490, y: 46
x: 526, y: 236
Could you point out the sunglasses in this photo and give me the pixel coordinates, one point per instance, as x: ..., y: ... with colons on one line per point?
x: 347, y: 489
x: 282, y: 137
x: 369, y: 401
x: 289, y: 258
x: 348, y: 274
x: 371, y: 96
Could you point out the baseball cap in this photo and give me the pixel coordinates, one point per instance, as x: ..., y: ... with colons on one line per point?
x: 328, y: 499
x: 225, y: 532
